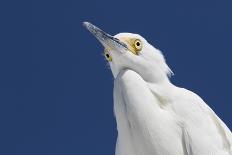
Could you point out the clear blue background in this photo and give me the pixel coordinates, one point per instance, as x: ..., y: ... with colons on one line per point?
x: 55, y: 86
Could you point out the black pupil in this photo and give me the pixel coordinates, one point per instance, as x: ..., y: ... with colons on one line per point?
x: 138, y: 44
x: 107, y: 55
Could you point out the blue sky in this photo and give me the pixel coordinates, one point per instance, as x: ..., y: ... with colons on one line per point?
x: 56, y: 89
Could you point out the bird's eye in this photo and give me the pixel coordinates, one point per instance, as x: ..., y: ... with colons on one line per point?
x: 138, y: 45
x: 107, y: 55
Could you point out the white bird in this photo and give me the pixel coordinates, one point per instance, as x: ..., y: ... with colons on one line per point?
x: 153, y: 116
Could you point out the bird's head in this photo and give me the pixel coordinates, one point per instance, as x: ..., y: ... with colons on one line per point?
x: 131, y: 51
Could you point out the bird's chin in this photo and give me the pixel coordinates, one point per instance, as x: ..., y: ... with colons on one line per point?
x: 123, y: 70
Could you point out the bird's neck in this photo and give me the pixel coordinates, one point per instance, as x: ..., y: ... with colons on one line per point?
x: 164, y: 91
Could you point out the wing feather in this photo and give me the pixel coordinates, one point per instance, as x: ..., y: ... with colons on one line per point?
x: 203, y: 130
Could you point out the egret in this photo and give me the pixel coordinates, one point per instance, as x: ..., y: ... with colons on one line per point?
x: 155, y: 117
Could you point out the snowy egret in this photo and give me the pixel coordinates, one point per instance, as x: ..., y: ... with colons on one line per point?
x: 153, y: 116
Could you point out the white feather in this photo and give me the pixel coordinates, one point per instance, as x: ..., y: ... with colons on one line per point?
x: 184, y: 125
x: 154, y: 117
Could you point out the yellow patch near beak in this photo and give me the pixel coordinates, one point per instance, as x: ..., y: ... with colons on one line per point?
x: 133, y: 44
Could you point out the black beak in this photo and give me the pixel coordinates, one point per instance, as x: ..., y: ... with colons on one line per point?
x: 106, y: 39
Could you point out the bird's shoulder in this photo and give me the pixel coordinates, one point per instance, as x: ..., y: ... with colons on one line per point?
x: 189, y: 106
x: 200, y: 120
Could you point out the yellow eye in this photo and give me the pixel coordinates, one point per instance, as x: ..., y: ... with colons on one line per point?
x: 138, y: 45
x: 107, y: 55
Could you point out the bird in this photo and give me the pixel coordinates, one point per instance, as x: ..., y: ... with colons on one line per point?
x: 153, y: 116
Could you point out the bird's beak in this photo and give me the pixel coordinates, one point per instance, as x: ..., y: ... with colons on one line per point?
x: 108, y: 41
